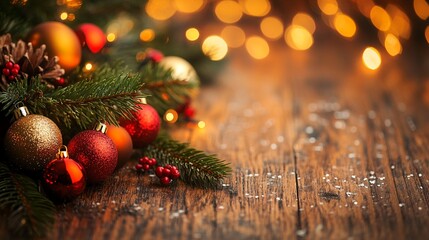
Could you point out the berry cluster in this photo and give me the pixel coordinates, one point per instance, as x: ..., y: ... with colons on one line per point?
x: 166, y: 174
x: 11, y: 70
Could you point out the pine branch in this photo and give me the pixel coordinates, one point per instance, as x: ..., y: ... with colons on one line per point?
x: 29, y: 213
x: 196, y: 167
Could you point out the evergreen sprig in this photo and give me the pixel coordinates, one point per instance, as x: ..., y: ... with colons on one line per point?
x: 29, y: 213
x: 196, y: 167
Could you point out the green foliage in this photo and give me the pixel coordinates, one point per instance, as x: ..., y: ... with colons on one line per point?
x: 28, y: 212
x: 196, y: 167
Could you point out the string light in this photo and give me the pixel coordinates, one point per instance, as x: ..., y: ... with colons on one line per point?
x: 234, y: 36
x: 228, y: 11
x: 160, y: 9
x: 215, y: 48
x: 147, y: 35
x: 111, y: 37
x: 298, y: 37
x: 63, y: 16
x: 272, y: 27
x: 380, y: 18
x: 187, y: 6
x: 171, y: 116
x: 192, y: 34
x: 88, y: 67
x: 201, y: 124
x: 257, y: 47
x: 392, y: 45
x: 371, y: 58
x: 344, y: 25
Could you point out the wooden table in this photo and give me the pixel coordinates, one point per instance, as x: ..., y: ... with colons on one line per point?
x: 320, y: 149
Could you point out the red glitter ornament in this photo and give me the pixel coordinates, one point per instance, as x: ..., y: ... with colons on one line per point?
x: 145, y: 127
x: 63, y: 178
x: 96, y: 152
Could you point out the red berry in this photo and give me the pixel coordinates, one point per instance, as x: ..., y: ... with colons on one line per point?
x: 166, y: 172
x: 168, y: 166
x: 165, y: 180
x: 141, y: 161
x: 14, y: 71
x: 61, y: 81
x: 139, y: 166
x: 6, y: 72
x: 11, y: 78
x: 159, y: 172
x: 153, y: 162
x: 9, y: 65
x: 16, y: 66
x: 146, y: 167
x: 175, y: 174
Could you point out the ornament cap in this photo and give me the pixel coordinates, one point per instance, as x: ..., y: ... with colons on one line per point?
x: 142, y: 100
x: 21, y: 111
x: 101, y: 127
x: 62, y: 152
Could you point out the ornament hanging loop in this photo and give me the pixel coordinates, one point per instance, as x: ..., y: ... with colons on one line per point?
x: 101, y: 127
x: 62, y: 152
x: 20, y: 111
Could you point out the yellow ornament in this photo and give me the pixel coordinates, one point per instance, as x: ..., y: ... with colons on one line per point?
x: 182, y: 70
x: 32, y: 141
x: 60, y: 41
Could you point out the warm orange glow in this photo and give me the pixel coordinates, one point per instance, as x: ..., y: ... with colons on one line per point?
x: 188, y: 6
x: 304, y: 20
x: 147, y: 35
x: 215, y: 48
x: 228, y: 11
x: 427, y: 33
x: 88, y: 66
x: 400, y: 26
x: 201, y: 124
x: 380, y: 18
x: 365, y: 6
x: 171, y: 116
x: 111, y: 37
x: 345, y: 25
x: 233, y: 36
x: 63, y: 16
x: 371, y: 58
x: 328, y: 7
x: 257, y: 47
x: 298, y: 37
x: 272, y: 27
x: 392, y: 45
x: 192, y: 34
x: 257, y: 8
x: 160, y: 9
x: 421, y: 7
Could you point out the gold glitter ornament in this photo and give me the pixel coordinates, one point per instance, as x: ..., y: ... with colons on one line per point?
x: 32, y: 141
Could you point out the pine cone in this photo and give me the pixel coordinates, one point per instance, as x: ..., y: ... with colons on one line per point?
x: 32, y: 62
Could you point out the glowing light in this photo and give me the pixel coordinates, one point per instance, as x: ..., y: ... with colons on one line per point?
x: 427, y: 34
x: 201, y: 124
x: 120, y: 26
x: 147, y: 35
x: 88, y: 67
x: 111, y: 37
x: 345, y: 25
x: 371, y: 58
x: 380, y: 18
x: 272, y: 27
x: 257, y: 47
x: 304, y: 20
x: 257, y: 8
x: 234, y: 36
x: 392, y: 45
x: 298, y: 37
x: 188, y: 6
x: 63, y: 16
x: 215, y: 48
x: 71, y: 17
x: 228, y: 11
x: 192, y: 34
x: 328, y: 7
x: 400, y: 22
x: 421, y: 7
x: 171, y: 116
x: 160, y: 9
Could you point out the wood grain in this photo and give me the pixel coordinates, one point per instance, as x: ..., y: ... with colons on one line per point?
x: 320, y: 149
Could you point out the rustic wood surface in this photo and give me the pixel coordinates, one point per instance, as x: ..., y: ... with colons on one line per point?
x: 320, y: 149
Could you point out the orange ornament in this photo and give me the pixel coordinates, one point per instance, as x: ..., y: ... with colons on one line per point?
x: 60, y: 41
x: 122, y: 140
x: 91, y: 36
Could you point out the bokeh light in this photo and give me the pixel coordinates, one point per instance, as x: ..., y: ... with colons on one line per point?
x: 63, y: 16
x: 192, y: 34
x: 400, y: 25
x: 201, y: 124
x: 304, y: 20
x: 160, y: 9
x: 298, y: 37
x: 88, y: 67
x: 234, y: 36
x: 188, y: 6
x: 272, y: 27
x: 421, y: 7
x: 257, y: 8
x: 371, y: 58
x: 257, y: 47
x: 380, y: 18
x: 215, y: 48
x: 345, y: 25
x: 120, y: 26
x: 228, y: 11
x: 392, y: 45
x: 171, y: 116
x: 147, y: 35
x: 111, y: 37
x: 328, y: 7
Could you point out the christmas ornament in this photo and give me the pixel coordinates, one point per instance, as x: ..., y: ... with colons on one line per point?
x: 145, y: 127
x: 122, y: 140
x: 31, y: 141
x: 60, y: 40
x: 91, y: 36
x: 96, y: 152
x: 167, y: 174
x: 22, y: 60
x: 63, y: 178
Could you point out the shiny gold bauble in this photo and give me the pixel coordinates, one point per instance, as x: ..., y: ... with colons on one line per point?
x: 32, y: 142
x: 182, y: 70
x: 122, y: 140
x: 60, y: 41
